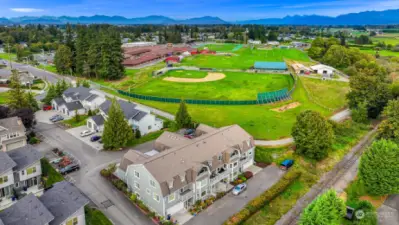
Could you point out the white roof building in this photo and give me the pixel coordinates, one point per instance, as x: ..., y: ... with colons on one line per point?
x: 323, y: 70
x: 138, y: 44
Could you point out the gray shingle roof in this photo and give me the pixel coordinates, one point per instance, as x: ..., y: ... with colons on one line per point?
x: 129, y: 109
x: 27, y: 211
x: 59, y: 101
x: 24, y: 156
x: 77, y: 93
x: 71, y: 106
x: 11, y: 125
x: 6, y: 163
x: 98, y: 119
x: 91, y: 97
x: 63, y: 200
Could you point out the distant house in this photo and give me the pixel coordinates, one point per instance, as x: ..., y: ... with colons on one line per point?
x: 273, y: 43
x: 77, y: 99
x: 326, y: 71
x: 63, y: 204
x: 20, y: 174
x: 12, y: 134
x: 254, y: 42
x: 47, y: 58
x: 137, y: 117
x: 26, y: 78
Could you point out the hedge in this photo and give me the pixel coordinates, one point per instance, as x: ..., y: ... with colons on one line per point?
x: 257, y: 203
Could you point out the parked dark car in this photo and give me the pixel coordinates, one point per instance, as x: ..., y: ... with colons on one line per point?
x: 47, y: 107
x: 95, y: 138
x: 56, y: 118
x: 69, y: 169
x: 286, y: 164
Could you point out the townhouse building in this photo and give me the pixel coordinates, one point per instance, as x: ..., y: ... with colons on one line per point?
x: 187, y: 170
x: 12, y: 134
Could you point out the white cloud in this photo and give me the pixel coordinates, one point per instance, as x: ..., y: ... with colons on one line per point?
x: 26, y: 10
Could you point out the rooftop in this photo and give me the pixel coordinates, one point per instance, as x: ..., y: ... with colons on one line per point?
x: 24, y: 156
x: 6, y: 163
x: 11, y: 125
x: 271, y: 65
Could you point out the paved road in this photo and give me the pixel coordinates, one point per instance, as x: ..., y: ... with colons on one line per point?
x: 87, y: 179
x: 222, y: 209
x: 338, y: 117
x: 50, y: 77
x: 388, y: 213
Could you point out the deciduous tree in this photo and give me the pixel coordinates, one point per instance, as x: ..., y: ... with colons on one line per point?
x: 389, y: 128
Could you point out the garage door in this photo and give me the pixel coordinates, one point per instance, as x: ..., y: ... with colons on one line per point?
x: 248, y: 164
x: 176, y: 208
x: 15, y: 145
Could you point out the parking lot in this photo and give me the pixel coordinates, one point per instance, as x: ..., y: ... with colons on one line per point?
x: 76, y: 133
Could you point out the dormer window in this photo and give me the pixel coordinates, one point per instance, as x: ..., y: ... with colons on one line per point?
x: 220, y: 157
x: 204, y: 169
x: 234, y: 153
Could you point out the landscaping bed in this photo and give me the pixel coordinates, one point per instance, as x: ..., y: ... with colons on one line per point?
x: 96, y: 217
x: 49, y: 175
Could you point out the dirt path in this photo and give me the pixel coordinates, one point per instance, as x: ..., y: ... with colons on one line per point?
x: 209, y: 78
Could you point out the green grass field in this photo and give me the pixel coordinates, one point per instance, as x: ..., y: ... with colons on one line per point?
x: 236, y: 86
x: 50, y: 68
x: 186, y: 74
x: 6, y: 56
x: 392, y: 39
x: 244, y: 59
x: 220, y: 47
x: 3, y: 98
x: 382, y: 53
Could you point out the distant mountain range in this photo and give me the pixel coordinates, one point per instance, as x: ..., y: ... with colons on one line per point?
x: 362, y: 18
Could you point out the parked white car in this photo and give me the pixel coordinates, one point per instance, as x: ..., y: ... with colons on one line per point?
x: 239, y: 189
x: 86, y: 133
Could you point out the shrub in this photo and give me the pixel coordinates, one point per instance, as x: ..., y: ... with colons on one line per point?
x: 255, y: 204
x: 33, y: 140
x: 105, y: 173
x: 248, y: 174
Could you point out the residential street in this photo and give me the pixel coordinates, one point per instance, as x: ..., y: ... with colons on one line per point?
x: 222, y: 209
x: 388, y: 213
x: 87, y: 179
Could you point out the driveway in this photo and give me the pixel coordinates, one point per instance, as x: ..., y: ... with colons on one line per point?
x: 222, y: 209
x: 114, y: 205
x: 76, y: 133
x: 388, y: 213
x: 44, y: 116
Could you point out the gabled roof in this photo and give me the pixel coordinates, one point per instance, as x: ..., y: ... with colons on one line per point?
x: 11, y: 125
x: 27, y: 211
x: 6, y: 163
x: 78, y: 93
x: 98, y: 119
x: 63, y: 200
x: 71, y: 106
x: 59, y: 101
x: 24, y: 156
x: 129, y: 109
x: 91, y: 97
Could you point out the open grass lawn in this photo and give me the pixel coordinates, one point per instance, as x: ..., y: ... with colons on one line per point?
x: 50, y: 68
x: 96, y: 217
x: 49, y: 174
x: 244, y: 58
x: 331, y: 94
x: 3, y: 97
x: 221, y: 47
x: 235, y: 86
x: 7, y: 56
x: 347, y: 137
x: 71, y: 123
x: 382, y: 53
x: 186, y: 74
x: 392, y: 39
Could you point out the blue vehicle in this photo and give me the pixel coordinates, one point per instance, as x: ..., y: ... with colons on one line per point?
x: 95, y: 138
x: 286, y: 164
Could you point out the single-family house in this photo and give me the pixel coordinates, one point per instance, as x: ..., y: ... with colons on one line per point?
x: 12, y: 134
x: 62, y: 204
x: 254, y: 42
x: 20, y: 174
x: 187, y: 170
x: 324, y: 70
x: 25, y: 77
x: 137, y: 117
x: 273, y: 43
x: 77, y: 99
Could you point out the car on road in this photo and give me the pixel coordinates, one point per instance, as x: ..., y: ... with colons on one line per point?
x: 86, y: 133
x: 95, y: 138
x: 69, y: 169
x: 56, y: 118
x: 47, y: 107
x: 286, y: 164
x: 239, y: 189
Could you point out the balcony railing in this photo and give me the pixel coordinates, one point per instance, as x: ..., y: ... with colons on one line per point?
x: 185, y: 195
x: 219, y: 176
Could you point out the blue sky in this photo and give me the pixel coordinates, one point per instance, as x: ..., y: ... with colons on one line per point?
x: 230, y: 10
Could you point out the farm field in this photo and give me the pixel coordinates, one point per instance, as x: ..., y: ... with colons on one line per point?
x: 244, y: 58
x: 235, y: 86
x: 382, y: 52
x: 392, y: 39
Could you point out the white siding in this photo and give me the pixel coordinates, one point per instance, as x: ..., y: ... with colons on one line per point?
x: 147, y: 124
x: 25, y: 176
x: 9, y: 174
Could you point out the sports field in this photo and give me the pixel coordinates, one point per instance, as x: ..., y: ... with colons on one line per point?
x: 235, y: 86
x: 186, y: 74
x: 244, y: 58
x: 220, y: 47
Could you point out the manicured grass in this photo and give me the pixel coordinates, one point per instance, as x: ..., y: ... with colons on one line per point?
x: 186, y: 74
x: 3, y: 97
x: 145, y: 138
x: 49, y: 174
x: 244, y: 59
x: 50, y: 68
x: 7, y: 56
x: 382, y: 52
x: 96, y: 217
x: 235, y: 86
x: 331, y: 94
x: 392, y: 39
x: 221, y: 47
x: 71, y: 123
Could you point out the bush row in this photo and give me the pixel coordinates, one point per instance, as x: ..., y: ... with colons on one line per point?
x: 257, y: 203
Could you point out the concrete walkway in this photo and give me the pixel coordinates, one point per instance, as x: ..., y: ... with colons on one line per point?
x: 388, y: 213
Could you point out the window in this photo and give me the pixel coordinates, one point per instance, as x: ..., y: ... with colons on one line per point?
x: 171, y: 197
x: 152, y: 183
x: 136, y: 174
x: 250, y: 153
x: 220, y: 157
x: 31, y: 170
x: 23, y: 172
x: 149, y: 127
x: 156, y: 197
x: 136, y: 185
x: 73, y: 221
x: 3, y: 179
x: 148, y: 191
x: 203, y: 193
x: 235, y: 164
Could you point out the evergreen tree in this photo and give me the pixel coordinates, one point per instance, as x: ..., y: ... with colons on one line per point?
x: 379, y: 168
x: 63, y: 59
x: 32, y: 102
x: 77, y: 116
x: 51, y: 94
x: 18, y: 98
x: 117, y: 132
x: 313, y: 135
x: 183, y: 118
x: 327, y: 209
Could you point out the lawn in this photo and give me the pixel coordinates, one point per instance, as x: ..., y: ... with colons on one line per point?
x: 331, y: 94
x: 235, y: 86
x: 71, y: 123
x: 186, y: 74
x: 382, y: 52
x: 7, y: 56
x: 50, y: 68
x: 49, y: 174
x: 221, y: 47
x: 95, y: 217
x: 392, y: 39
x: 3, y: 97
x: 244, y: 58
